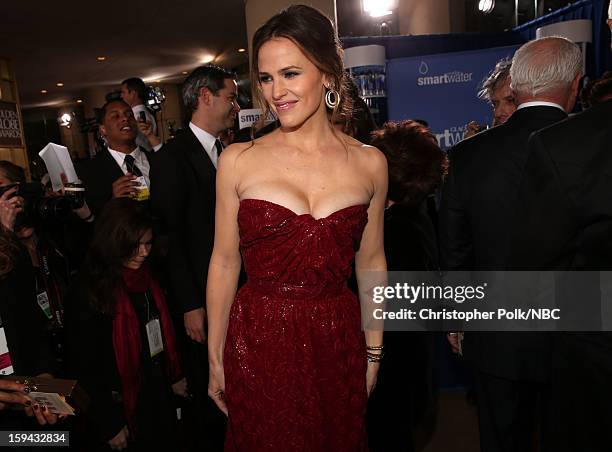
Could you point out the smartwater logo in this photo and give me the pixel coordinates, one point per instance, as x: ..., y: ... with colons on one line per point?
x: 248, y: 117
x: 450, y: 137
x: 442, y: 79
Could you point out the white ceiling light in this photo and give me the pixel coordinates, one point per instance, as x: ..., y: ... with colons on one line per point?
x: 379, y: 8
x: 486, y: 6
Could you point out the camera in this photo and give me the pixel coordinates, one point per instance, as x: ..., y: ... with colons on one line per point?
x: 39, y: 208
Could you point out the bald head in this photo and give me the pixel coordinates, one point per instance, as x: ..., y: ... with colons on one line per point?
x: 547, y: 69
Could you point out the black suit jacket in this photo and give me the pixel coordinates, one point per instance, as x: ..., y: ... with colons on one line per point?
x: 566, y: 195
x: 566, y: 224
x: 183, y: 200
x: 477, y: 214
x: 565, y: 220
x: 98, y: 175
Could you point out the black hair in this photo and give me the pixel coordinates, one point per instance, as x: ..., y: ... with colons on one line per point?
x: 14, y: 173
x: 101, y: 112
x: 116, y: 238
x: 209, y: 76
x: 138, y: 85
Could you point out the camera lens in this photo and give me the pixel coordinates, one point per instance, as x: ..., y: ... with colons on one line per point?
x: 54, y: 208
x: 75, y: 191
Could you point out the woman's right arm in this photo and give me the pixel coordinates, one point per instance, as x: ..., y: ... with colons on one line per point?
x: 223, y: 271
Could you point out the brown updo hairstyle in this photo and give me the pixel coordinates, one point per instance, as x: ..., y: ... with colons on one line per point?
x: 601, y: 89
x: 416, y: 163
x: 314, y: 34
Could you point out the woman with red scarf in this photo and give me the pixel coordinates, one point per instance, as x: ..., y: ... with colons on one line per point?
x: 121, y: 336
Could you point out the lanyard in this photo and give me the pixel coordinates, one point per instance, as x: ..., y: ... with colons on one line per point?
x: 148, y: 310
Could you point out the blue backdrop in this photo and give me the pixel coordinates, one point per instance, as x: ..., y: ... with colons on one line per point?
x: 599, y: 57
x: 442, y: 89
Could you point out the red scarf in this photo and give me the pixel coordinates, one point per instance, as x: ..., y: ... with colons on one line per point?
x: 126, y: 336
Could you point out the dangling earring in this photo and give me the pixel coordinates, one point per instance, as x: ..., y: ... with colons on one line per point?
x: 332, y: 99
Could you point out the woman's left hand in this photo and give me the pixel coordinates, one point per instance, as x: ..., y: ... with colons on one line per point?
x: 371, y: 376
x: 10, y: 206
x: 42, y: 414
x: 180, y: 387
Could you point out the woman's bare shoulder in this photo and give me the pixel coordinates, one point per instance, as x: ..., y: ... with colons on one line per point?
x: 371, y: 156
x: 236, y: 149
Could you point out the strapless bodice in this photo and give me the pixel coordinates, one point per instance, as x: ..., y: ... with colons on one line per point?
x: 284, y: 251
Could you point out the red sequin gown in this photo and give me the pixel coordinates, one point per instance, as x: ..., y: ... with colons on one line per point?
x: 295, y: 359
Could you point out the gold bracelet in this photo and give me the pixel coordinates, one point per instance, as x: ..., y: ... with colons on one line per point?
x: 375, y: 358
x: 375, y: 347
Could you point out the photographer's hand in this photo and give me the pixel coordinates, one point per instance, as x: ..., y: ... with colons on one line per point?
x: 146, y: 128
x: 83, y: 212
x: 10, y: 206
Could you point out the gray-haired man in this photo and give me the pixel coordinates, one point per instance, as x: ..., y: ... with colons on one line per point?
x: 477, y: 220
x: 566, y: 224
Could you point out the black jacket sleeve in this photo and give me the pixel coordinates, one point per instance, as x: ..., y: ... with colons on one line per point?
x: 456, y: 250
x: 175, y: 201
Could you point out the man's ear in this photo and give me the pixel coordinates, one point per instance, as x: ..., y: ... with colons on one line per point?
x: 574, y: 90
x: 576, y: 84
x: 102, y: 130
x: 204, y: 96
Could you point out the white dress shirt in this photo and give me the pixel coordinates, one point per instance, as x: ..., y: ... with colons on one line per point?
x: 540, y: 103
x: 207, y: 141
x: 141, y: 140
x: 140, y: 159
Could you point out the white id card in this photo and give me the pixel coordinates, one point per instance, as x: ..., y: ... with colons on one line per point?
x: 43, y: 302
x: 154, y: 335
x: 55, y: 403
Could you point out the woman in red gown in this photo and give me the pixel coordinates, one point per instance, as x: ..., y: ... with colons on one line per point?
x: 289, y: 361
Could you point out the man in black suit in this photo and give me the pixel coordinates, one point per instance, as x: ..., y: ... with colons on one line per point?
x: 566, y: 224
x: 122, y: 169
x: 183, y: 198
x: 476, y: 222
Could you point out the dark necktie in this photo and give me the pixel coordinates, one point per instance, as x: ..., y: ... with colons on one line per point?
x: 130, y: 164
x: 219, y: 147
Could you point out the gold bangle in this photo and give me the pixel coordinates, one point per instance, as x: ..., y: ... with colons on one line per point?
x: 375, y: 347
x: 375, y: 358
